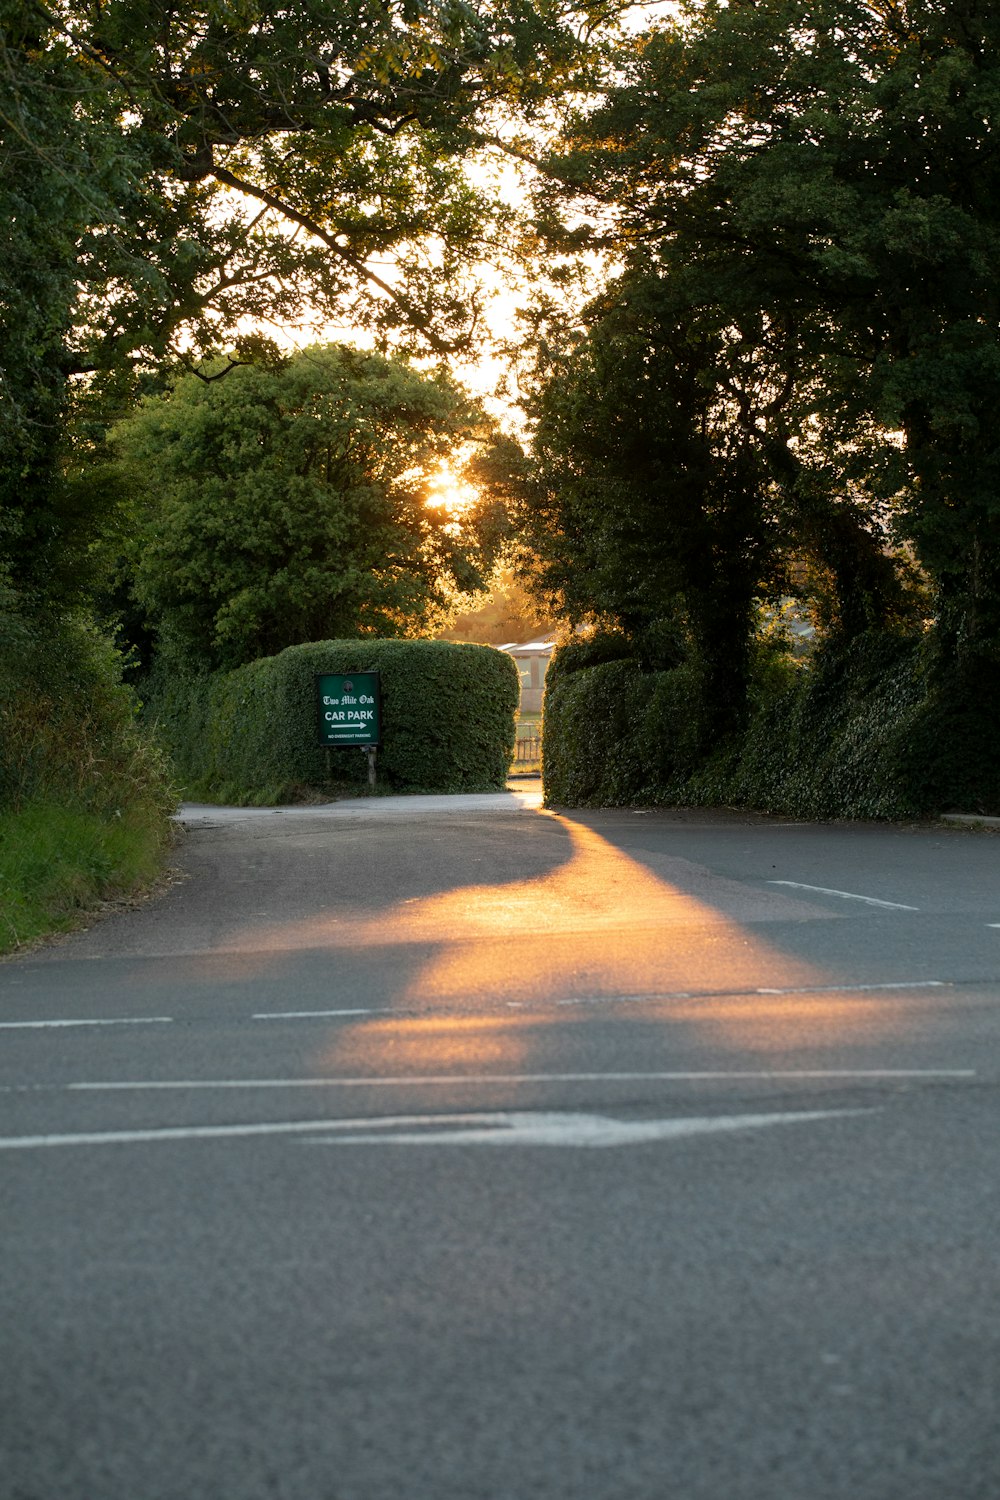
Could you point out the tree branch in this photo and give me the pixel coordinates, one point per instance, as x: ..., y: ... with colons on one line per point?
x: 406, y: 307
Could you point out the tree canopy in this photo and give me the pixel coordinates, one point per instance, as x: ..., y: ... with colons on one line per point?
x: 175, y: 179
x: 289, y: 504
x: 819, y: 183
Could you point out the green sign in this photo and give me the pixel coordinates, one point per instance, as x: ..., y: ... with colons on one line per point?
x: 350, y: 709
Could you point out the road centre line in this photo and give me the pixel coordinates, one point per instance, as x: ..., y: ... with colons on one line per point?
x: 644, y: 999
x: 823, y: 890
x: 793, y: 989
x: 307, y: 1015
x: 108, y: 1021
x: 765, y: 1075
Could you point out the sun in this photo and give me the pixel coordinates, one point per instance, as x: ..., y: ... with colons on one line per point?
x: 447, y: 492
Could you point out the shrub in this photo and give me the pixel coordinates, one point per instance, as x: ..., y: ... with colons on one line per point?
x: 251, y: 735
x: 871, y: 728
x: 68, y: 727
x: 84, y: 792
x: 613, y: 733
x: 833, y: 745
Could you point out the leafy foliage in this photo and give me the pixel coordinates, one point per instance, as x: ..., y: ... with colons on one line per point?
x: 649, y: 505
x: 284, y: 503
x: 789, y: 390
x: 251, y: 735
x: 68, y: 728
x: 821, y: 178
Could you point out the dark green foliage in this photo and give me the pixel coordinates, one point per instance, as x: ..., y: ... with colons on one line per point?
x: 281, y: 504
x: 251, y: 735
x: 616, y: 734
x: 834, y: 744
x: 951, y: 755
x: 869, y: 729
x: 588, y: 651
x: 648, y: 504
x: 821, y: 177
x: 68, y: 729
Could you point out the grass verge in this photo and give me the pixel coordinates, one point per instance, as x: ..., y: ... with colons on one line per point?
x: 57, y: 863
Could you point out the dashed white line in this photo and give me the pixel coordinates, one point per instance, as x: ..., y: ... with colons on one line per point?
x: 823, y: 890
x: 791, y: 989
x: 88, y: 1021
x: 307, y: 1015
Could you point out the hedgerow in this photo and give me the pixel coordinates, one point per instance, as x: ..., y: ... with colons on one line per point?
x: 871, y: 728
x: 250, y: 735
x: 85, y: 794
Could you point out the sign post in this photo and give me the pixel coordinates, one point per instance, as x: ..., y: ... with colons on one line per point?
x: 349, y: 712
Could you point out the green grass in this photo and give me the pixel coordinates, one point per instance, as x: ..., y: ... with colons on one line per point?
x: 57, y: 863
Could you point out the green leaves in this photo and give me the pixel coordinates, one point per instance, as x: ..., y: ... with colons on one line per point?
x: 289, y: 504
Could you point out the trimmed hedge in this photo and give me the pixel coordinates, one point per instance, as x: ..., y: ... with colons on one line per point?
x: 250, y: 735
x: 875, y: 728
x: 615, y: 734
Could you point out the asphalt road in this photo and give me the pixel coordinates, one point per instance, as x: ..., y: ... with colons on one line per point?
x: 432, y: 1149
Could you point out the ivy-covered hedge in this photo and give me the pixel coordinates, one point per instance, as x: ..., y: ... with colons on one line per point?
x: 250, y: 735
x: 871, y: 729
x: 615, y: 734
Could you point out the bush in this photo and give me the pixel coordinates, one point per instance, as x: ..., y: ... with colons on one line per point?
x: 68, y: 727
x: 872, y: 728
x: 834, y: 744
x: 613, y: 733
x: 84, y: 792
x: 250, y: 736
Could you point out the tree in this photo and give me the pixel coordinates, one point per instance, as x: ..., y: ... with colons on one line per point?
x: 172, y: 175
x: 649, y: 506
x: 289, y: 504
x: 827, y: 172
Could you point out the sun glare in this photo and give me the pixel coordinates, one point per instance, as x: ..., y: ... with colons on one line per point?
x: 447, y: 492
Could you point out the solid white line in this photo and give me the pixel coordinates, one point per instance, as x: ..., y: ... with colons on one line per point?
x: 303, y: 1015
x: 847, y: 895
x: 443, y: 1081
x: 858, y: 989
x: 113, y: 1021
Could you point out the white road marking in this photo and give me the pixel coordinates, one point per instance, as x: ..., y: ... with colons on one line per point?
x: 765, y: 1075
x: 858, y: 989
x: 546, y: 1129
x: 791, y: 989
x: 823, y: 890
x: 199, y: 1132
x: 108, y: 1021
x: 522, y: 1129
x: 303, y: 1015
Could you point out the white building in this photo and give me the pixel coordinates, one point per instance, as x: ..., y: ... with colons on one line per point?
x: 532, y: 661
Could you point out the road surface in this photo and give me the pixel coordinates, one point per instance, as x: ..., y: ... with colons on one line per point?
x: 454, y: 1149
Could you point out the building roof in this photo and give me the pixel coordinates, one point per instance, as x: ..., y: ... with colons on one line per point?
x: 539, y: 648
